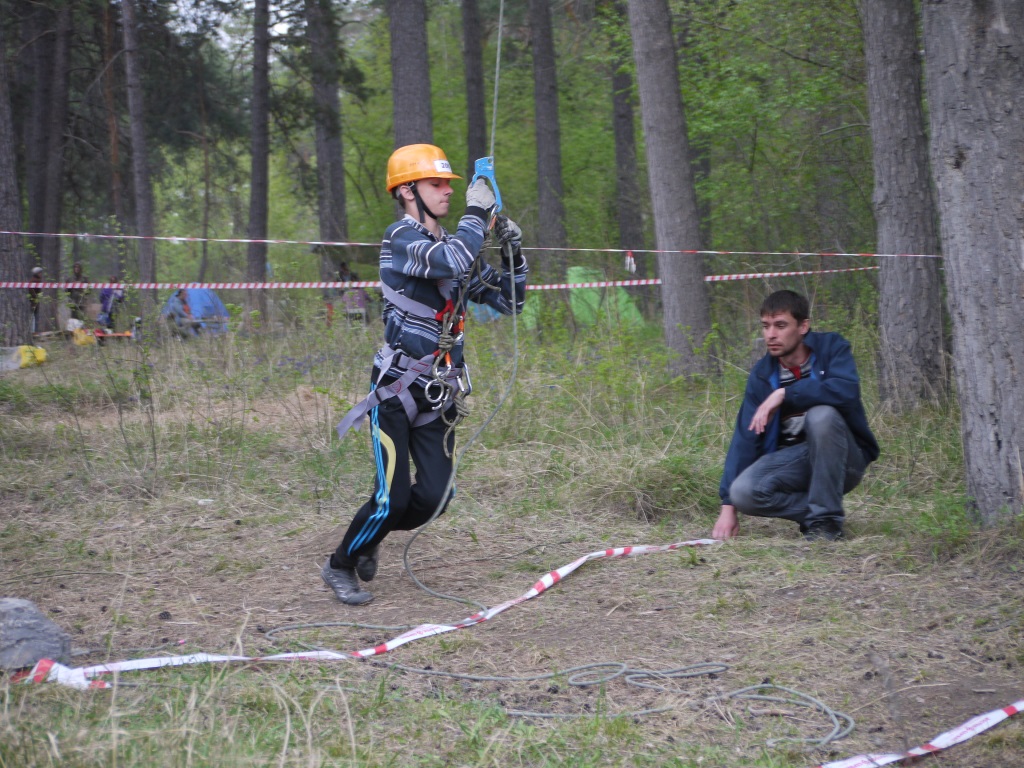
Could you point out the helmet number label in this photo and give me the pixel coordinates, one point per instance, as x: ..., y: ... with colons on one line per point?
x: 442, y: 166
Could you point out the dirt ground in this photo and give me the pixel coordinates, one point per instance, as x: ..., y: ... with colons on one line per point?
x: 907, y: 645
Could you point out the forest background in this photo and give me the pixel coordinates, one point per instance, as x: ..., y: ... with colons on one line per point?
x: 779, y: 123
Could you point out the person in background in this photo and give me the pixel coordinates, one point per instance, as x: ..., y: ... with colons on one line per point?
x: 35, y: 296
x: 110, y: 298
x: 77, y: 297
x: 802, y: 438
x: 179, y: 314
x: 428, y: 274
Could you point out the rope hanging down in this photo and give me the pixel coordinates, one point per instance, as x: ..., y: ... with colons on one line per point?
x: 462, y: 409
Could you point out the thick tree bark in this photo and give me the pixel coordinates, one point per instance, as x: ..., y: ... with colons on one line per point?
x: 628, y: 202
x: 974, y: 61
x: 550, y: 209
x: 41, y: 44
x: 321, y: 31
x: 143, y: 188
x: 259, y: 177
x: 686, y: 311
x: 14, y: 263
x: 911, y: 369
x: 113, y: 131
x: 473, y: 64
x: 410, y: 72
x: 53, y: 195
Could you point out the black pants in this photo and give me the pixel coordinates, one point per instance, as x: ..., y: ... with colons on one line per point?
x: 398, y: 503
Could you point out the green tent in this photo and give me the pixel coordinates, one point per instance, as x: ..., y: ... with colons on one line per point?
x: 613, y: 305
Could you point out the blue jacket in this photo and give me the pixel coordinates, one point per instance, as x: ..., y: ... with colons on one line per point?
x: 833, y: 381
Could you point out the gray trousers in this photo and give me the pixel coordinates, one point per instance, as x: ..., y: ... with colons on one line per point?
x: 804, y: 483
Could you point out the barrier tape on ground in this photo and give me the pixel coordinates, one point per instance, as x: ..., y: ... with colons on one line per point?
x: 376, y: 284
x: 957, y: 735
x: 84, y: 677
x: 345, y: 244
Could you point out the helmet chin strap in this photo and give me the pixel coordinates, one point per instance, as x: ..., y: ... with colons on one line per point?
x: 421, y: 207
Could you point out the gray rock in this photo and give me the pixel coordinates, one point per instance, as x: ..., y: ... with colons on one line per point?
x: 26, y: 635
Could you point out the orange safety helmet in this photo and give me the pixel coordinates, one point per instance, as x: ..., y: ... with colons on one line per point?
x: 418, y: 161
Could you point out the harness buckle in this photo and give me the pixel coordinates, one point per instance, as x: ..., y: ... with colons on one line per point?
x: 442, y: 393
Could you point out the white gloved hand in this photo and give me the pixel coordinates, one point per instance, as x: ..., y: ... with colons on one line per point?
x: 479, y: 195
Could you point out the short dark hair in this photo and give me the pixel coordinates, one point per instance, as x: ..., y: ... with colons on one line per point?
x: 786, y: 301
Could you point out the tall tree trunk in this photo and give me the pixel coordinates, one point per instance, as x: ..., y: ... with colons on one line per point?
x: 204, y: 259
x: 686, y: 311
x: 143, y: 188
x: 550, y: 210
x: 41, y: 46
x: 628, y: 202
x: 113, y: 131
x: 321, y: 30
x: 410, y: 72
x: 14, y: 263
x: 911, y: 367
x: 974, y: 61
x: 54, y: 187
x: 473, y: 64
x: 259, y: 178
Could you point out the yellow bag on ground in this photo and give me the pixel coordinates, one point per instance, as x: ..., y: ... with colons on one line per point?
x: 31, y: 355
x: 82, y: 337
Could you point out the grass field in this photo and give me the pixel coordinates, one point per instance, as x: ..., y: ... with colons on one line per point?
x: 180, y: 498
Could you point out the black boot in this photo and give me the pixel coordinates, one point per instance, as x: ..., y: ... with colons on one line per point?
x: 366, y: 565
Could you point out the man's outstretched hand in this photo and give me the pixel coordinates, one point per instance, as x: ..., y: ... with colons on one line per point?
x: 728, y: 523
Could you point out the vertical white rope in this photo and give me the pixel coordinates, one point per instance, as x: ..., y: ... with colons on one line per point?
x: 497, y: 74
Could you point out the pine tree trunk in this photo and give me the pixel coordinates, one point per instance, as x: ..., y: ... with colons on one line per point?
x: 259, y: 177
x: 628, y: 203
x: 550, y: 209
x: 974, y: 61
x: 911, y: 369
x: 54, y: 188
x: 473, y: 63
x: 40, y: 44
x: 410, y: 72
x: 143, y: 188
x: 113, y: 132
x: 685, y: 306
x: 321, y: 31
x: 14, y: 264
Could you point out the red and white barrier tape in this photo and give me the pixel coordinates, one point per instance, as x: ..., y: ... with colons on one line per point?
x: 346, y: 244
x: 84, y: 677
x: 375, y: 284
x: 957, y: 735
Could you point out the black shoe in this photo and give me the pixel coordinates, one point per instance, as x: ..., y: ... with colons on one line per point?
x: 345, y: 584
x: 366, y: 565
x: 823, y: 530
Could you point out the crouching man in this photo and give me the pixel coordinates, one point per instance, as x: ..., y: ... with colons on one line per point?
x: 802, y: 438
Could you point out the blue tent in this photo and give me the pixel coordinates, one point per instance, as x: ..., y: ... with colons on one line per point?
x: 206, y: 307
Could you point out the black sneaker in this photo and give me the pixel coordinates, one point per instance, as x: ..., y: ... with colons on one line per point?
x: 345, y: 584
x: 366, y: 565
x: 823, y: 530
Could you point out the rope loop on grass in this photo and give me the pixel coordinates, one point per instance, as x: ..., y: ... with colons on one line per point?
x: 842, y: 724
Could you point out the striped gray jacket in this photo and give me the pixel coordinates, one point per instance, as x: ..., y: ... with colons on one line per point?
x: 428, y: 270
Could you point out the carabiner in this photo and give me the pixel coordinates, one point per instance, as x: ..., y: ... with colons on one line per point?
x: 465, y: 383
x: 484, y: 169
